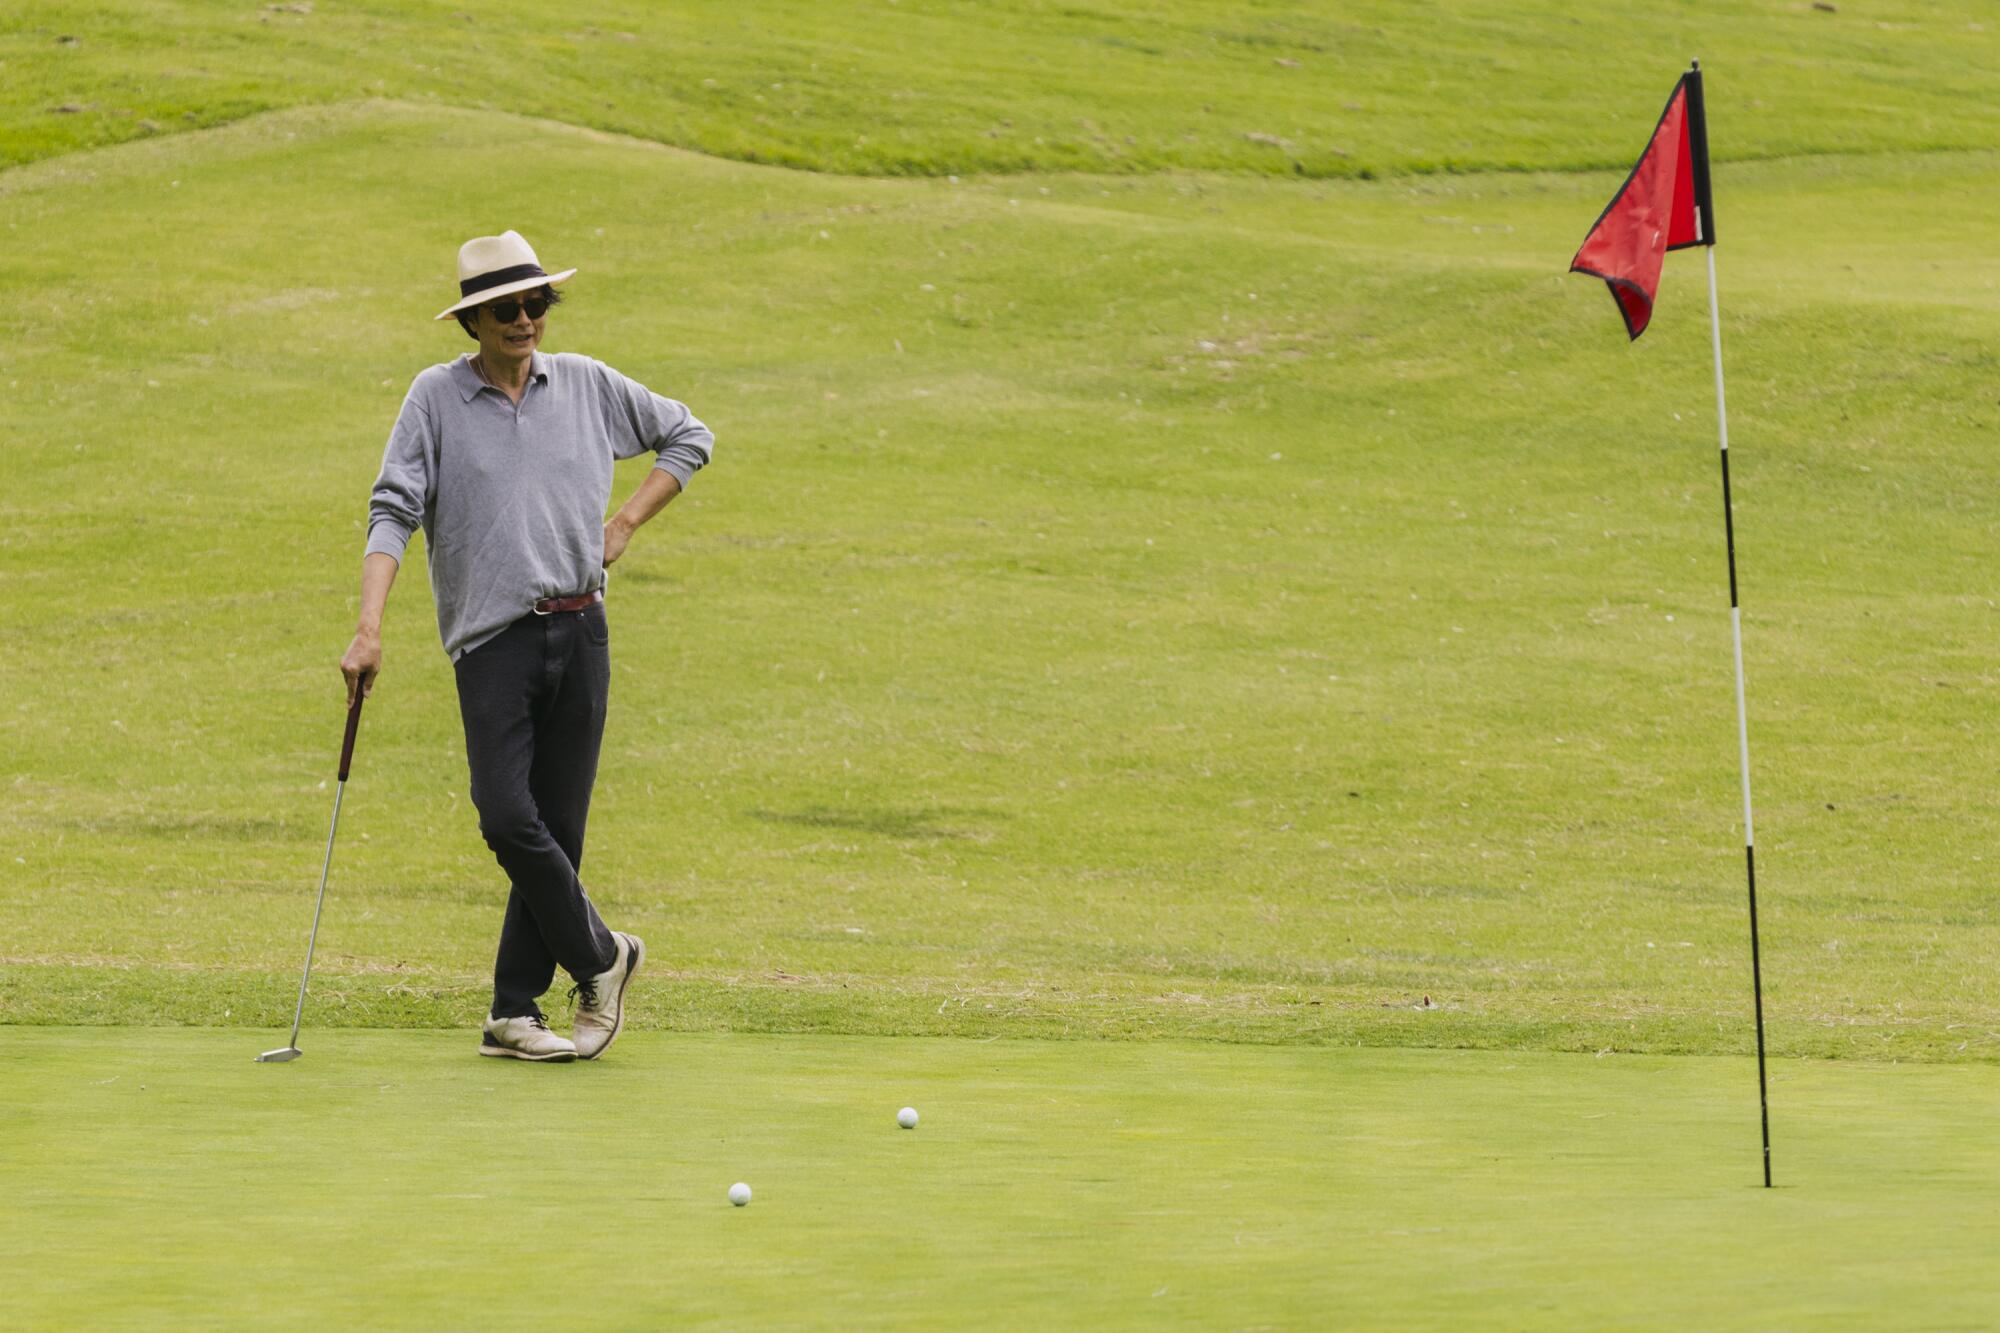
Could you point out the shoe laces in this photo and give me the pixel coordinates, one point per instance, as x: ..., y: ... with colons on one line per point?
x: 537, y: 1021
x: 585, y: 993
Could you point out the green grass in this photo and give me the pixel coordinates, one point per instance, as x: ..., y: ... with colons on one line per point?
x: 162, y: 1178
x: 1155, y: 583
x: 1064, y: 642
x: 930, y: 87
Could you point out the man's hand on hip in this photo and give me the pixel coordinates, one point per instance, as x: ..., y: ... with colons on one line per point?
x: 659, y: 487
x: 616, y: 536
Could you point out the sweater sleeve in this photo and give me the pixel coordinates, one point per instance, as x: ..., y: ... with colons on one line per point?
x: 406, y: 488
x: 641, y: 420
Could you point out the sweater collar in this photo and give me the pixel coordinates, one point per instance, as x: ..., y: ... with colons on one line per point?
x: 469, y: 384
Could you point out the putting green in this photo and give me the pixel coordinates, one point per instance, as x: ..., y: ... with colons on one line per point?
x: 392, y: 1179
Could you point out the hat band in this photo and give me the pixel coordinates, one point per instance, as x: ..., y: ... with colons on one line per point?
x: 500, y: 277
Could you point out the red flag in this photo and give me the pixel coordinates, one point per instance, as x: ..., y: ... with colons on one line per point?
x: 1663, y: 205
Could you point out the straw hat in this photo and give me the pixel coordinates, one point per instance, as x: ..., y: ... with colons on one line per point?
x: 490, y: 266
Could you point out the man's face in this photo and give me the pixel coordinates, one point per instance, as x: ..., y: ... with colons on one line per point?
x: 513, y: 339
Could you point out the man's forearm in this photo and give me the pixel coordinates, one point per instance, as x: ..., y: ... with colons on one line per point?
x: 659, y: 487
x: 378, y: 572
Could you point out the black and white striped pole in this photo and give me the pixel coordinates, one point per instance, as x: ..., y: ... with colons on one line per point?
x: 1736, y: 632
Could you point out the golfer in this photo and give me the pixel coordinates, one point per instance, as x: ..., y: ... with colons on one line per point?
x: 504, y: 457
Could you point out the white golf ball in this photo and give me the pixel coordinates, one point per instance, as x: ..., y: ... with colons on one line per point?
x: 907, y: 1117
x: 739, y: 1194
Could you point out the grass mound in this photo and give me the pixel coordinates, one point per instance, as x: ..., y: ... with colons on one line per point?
x: 932, y: 87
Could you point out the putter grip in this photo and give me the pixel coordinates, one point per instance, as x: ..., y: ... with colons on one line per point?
x: 353, y: 725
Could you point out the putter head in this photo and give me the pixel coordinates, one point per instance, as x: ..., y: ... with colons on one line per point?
x: 280, y: 1055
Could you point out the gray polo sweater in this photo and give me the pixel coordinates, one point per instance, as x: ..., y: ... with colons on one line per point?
x: 512, y: 500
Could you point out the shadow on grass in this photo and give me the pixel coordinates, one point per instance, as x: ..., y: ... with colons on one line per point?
x: 133, y: 828
x: 926, y: 824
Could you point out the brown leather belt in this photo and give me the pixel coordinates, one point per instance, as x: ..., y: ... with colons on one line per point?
x: 550, y: 606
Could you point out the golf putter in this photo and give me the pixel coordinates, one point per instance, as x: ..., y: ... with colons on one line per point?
x: 292, y: 1052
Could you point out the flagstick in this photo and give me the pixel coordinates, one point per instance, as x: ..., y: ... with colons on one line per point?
x: 1742, y: 714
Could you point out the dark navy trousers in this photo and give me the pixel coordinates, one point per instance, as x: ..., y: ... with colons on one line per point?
x: 533, y: 701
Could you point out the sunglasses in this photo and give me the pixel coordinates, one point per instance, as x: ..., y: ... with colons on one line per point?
x: 507, y: 311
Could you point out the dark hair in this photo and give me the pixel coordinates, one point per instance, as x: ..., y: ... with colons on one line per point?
x: 470, y: 316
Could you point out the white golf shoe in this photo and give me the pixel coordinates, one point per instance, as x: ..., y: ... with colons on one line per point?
x: 525, y: 1038
x: 600, y: 1000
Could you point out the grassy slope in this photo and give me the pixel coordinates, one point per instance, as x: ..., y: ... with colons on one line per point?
x: 386, y: 1181
x: 928, y: 87
x: 1122, y: 606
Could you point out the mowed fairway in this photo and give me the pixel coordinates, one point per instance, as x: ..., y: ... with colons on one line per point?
x: 386, y: 1181
x: 1253, y: 622
x: 1237, y: 609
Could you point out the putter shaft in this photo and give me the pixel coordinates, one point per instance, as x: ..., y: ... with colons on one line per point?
x: 291, y: 1052
x: 313, y: 936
